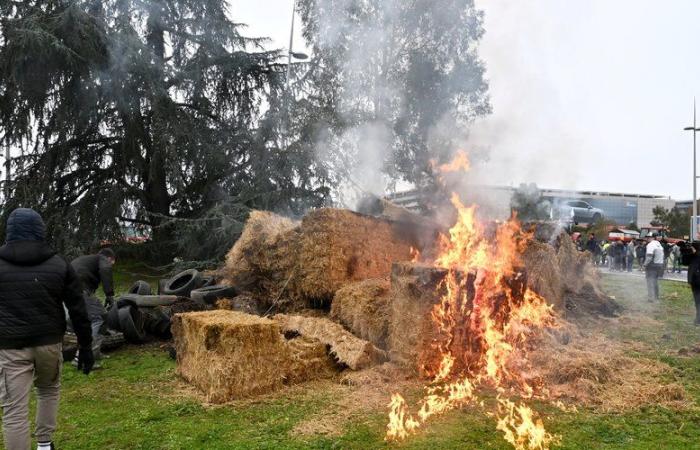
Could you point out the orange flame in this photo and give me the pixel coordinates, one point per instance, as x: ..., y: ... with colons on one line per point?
x: 460, y: 163
x: 415, y: 254
x: 484, y: 320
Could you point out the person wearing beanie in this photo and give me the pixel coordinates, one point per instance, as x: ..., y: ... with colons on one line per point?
x: 35, y: 284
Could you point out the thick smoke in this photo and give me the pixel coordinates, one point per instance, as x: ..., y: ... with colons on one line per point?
x: 387, y: 52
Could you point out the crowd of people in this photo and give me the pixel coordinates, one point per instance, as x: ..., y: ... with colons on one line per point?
x: 620, y: 256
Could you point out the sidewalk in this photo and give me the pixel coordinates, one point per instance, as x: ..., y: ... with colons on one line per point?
x: 682, y: 277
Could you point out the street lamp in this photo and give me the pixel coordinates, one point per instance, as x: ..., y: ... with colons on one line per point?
x: 694, y: 129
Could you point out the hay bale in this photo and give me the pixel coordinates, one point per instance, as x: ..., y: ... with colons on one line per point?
x: 414, y: 292
x: 308, y: 360
x: 363, y: 308
x: 245, y: 302
x: 228, y: 354
x: 543, y: 273
x: 264, y: 258
x: 338, y: 246
x: 346, y: 348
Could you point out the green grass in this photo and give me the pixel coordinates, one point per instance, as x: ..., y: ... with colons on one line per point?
x: 136, y: 401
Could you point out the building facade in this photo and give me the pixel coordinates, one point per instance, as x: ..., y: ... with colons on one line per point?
x: 495, y: 202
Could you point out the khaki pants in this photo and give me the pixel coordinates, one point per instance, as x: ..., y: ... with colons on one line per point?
x: 18, y: 370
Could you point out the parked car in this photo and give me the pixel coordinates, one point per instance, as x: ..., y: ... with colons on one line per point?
x: 577, y: 211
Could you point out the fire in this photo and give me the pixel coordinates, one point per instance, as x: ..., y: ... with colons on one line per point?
x: 483, y: 320
x: 415, y: 254
x: 460, y: 163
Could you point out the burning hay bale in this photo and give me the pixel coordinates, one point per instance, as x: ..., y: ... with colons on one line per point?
x: 543, y: 273
x: 346, y: 348
x: 363, y: 308
x: 339, y: 246
x: 228, y: 354
x: 581, y: 282
x: 263, y: 260
x: 414, y: 290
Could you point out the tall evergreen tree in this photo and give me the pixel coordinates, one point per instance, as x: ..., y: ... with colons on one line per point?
x: 399, y: 78
x: 159, y: 113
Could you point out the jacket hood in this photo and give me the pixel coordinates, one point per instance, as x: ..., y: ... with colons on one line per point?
x: 25, y: 224
x: 26, y: 253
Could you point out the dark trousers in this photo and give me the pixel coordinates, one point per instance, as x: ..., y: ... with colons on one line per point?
x: 696, y: 297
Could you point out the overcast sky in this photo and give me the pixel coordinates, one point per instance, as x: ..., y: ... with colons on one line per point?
x: 586, y: 95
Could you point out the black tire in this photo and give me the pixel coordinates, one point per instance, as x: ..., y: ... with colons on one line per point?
x: 210, y: 294
x: 110, y: 341
x: 596, y: 218
x: 161, y: 285
x: 156, y: 323
x: 112, y: 320
x: 206, y: 282
x: 183, y: 283
x: 131, y: 322
x: 141, y: 288
x: 147, y: 301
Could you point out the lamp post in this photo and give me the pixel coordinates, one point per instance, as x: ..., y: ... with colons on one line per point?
x: 694, y: 129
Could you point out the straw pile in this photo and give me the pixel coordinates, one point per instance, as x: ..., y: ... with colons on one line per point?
x: 363, y: 308
x: 543, y: 273
x: 583, y: 294
x: 595, y: 372
x: 228, y: 354
x: 346, y: 348
x: 339, y: 246
x: 263, y: 260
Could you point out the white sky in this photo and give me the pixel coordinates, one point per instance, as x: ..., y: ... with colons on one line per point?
x: 586, y: 95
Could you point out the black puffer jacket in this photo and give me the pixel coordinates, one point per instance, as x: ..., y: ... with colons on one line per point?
x: 34, y: 285
x: 93, y: 270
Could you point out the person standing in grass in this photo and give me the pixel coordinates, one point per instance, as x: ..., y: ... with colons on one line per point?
x: 653, y: 266
x: 676, y: 256
x: 35, y: 283
x: 630, y: 255
x: 694, y: 279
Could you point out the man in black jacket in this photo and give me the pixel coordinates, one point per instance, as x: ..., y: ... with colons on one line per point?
x: 35, y: 283
x: 94, y: 270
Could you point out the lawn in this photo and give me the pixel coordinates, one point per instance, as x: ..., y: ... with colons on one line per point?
x: 137, y: 402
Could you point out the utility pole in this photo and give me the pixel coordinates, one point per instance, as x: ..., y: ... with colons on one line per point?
x: 8, y: 168
x: 694, y: 129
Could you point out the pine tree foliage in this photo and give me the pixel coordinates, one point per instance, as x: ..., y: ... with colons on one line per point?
x: 161, y: 113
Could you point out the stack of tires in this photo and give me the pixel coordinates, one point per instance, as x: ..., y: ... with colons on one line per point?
x: 140, y: 315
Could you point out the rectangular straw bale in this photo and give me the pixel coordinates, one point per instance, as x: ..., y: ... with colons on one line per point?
x: 338, y: 246
x: 229, y: 354
x: 414, y: 293
x: 347, y: 349
x: 363, y: 308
